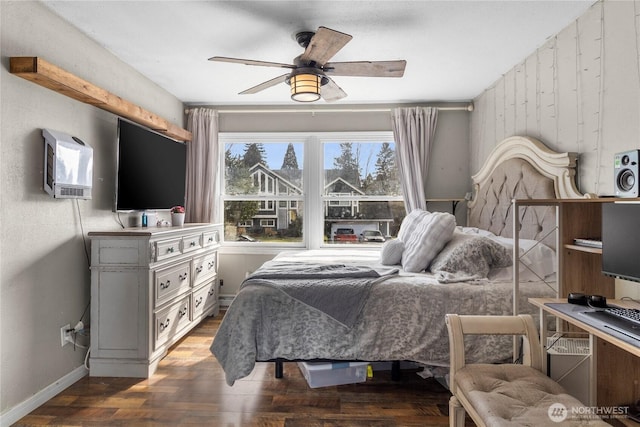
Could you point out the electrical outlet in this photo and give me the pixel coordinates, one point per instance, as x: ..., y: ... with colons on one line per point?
x: 65, y: 335
x: 221, y: 282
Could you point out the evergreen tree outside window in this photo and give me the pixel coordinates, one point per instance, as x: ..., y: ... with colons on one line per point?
x: 290, y: 160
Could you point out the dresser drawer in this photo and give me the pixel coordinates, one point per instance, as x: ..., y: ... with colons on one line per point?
x: 210, y: 238
x: 171, y: 320
x: 204, y: 267
x: 191, y: 243
x: 166, y: 249
x: 204, y: 298
x: 170, y: 282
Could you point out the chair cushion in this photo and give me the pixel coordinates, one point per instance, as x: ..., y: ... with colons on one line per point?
x: 510, y: 394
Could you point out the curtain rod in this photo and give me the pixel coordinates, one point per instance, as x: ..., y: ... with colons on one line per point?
x: 468, y: 107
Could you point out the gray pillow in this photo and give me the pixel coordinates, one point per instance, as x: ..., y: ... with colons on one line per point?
x: 391, y: 253
x: 424, y: 235
x: 469, y: 257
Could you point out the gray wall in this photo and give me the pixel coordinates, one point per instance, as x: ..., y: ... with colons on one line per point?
x: 44, y: 277
x: 578, y: 92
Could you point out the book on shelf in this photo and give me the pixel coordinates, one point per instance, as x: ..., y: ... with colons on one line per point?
x: 591, y: 242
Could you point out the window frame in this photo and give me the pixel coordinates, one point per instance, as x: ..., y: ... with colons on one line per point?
x: 267, y: 222
x: 313, y: 198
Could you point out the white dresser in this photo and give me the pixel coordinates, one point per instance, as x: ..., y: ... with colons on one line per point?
x: 149, y: 287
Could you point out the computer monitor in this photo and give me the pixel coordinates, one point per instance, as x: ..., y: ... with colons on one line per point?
x: 621, y: 240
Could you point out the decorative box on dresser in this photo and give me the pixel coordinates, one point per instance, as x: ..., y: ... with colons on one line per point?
x: 149, y: 287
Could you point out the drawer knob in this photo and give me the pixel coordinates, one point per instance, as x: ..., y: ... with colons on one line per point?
x: 212, y: 292
x: 164, y: 325
x: 170, y: 250
x: 192, y: 244
x: 182, y: 312
x: 199, y: 269
x: 211, y: 264
x: 198, y: 302
x: 183, y: 277
x: 210, y: 239
x: 164, y: 285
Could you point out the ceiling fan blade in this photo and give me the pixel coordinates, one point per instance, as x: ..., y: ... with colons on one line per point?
x: 324, y: 44
x: 265, y: 85
x: 251, y: 62
x: 366, y: 68
x: 332, y: 92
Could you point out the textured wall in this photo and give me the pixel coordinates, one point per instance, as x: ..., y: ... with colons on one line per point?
x: 44, y: 276
x: 578, y: 92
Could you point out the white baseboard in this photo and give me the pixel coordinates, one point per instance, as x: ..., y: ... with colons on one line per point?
x: 27, y: 406
x: 225, y: 300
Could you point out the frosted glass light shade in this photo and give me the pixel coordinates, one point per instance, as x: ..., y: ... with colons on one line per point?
x: 305, y: 87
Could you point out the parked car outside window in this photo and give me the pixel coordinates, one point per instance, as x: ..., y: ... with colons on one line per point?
x: 345, y: 235
x: 371, y: 236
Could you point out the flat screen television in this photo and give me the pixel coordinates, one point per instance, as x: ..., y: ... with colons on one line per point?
x: 621, y: 240
x: 151, y: 170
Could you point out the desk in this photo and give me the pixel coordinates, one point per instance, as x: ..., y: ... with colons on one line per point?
x: 614, y: 363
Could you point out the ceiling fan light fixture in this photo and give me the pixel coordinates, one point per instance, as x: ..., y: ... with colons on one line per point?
x: 305, y: 87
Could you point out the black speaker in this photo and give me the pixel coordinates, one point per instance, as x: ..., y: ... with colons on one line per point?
x: 625, y: 173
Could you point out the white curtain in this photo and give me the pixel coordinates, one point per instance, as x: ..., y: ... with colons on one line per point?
x: 202, y: 166
x: 413, y: 129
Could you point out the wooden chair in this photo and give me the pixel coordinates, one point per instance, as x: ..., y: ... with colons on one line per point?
x: 506, y: 394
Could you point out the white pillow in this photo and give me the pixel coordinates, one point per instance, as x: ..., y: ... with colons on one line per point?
x: 538, y: 263
x: 424, y: 235
x: 410, y: 222
x: 391, y: 253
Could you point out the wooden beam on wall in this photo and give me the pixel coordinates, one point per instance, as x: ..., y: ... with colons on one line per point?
x: 41, y: 72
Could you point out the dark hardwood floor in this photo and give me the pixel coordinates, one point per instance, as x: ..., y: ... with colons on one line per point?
x: 189, y: 389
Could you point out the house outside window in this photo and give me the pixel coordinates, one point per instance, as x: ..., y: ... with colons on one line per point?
x: 299, y: 189
x: 266, y: 205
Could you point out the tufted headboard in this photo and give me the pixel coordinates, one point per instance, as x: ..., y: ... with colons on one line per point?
x: 521, y: 168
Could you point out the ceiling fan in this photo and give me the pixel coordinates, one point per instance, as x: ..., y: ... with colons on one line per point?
x: 309, y: 78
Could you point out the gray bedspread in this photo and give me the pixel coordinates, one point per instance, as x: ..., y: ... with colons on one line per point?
x: 338, y: 290
x: 402, y: 319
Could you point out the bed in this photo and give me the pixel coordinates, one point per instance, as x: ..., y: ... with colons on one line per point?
x: 293, y: 308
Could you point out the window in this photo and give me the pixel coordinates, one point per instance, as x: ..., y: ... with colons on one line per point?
x: 262, y: 176
x: 361, y: 190
x: 299, y: 189
x: 266, y: 205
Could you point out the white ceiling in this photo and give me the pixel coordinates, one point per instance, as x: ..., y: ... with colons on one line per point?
x: 454, y: 49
